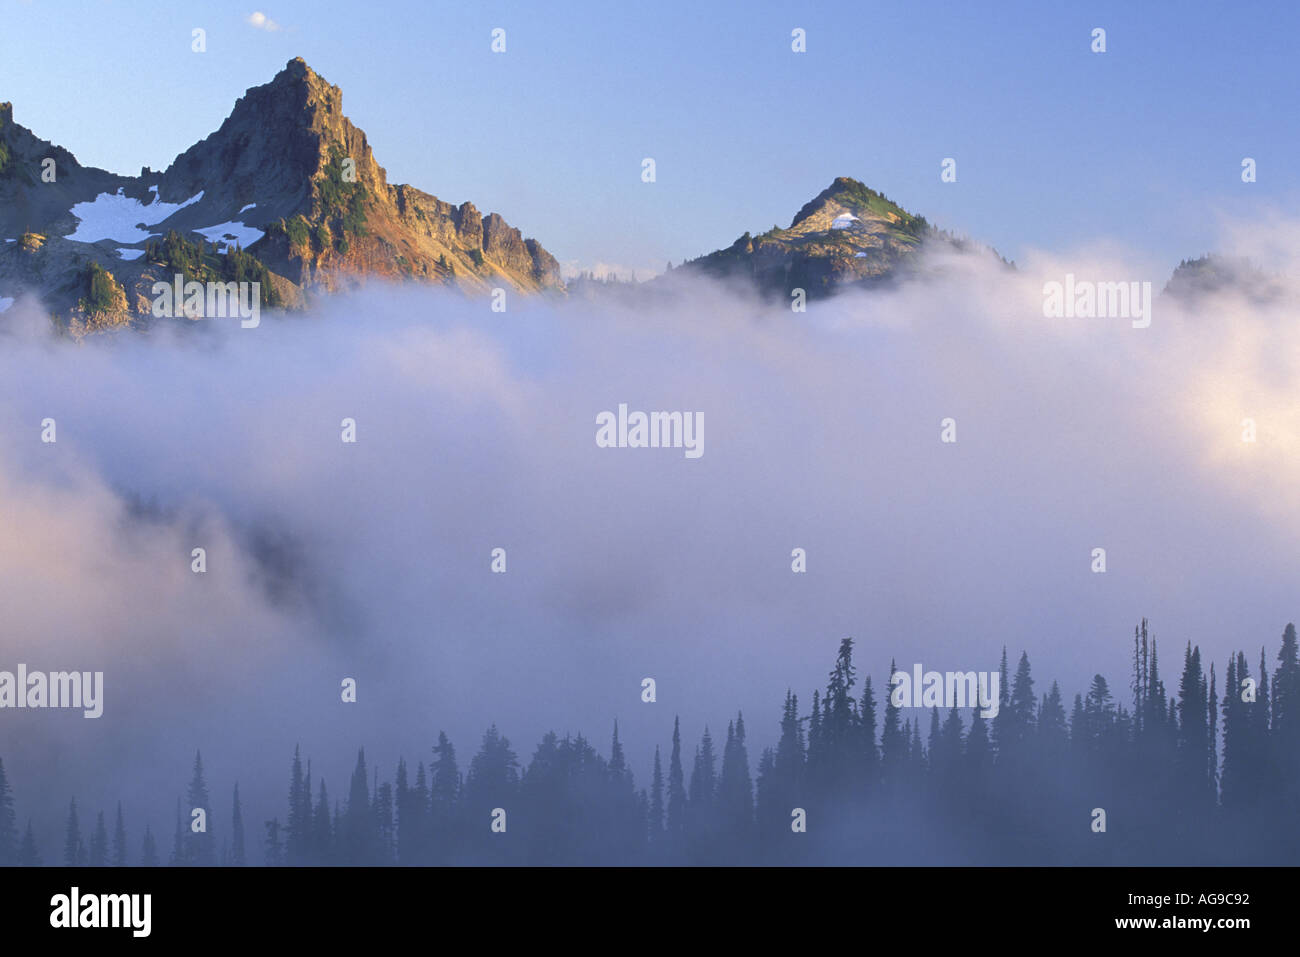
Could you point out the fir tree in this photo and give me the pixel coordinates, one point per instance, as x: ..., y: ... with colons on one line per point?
x: 867, y: 734
x: 656, y: 810
x: 99, y: 843
x: 180, y: 848
x: 200, y: 846
x: 736, y: 787
x: 148, y: 850
x: 297, y: 830
x: 237, y: 855
x: 359, y: 838
x: 322, y: 832
x: 8, y: 822
x: 676, y: 789
x: 119, y: 839
x: 74, y: 851
x: 893, y: 746
x: 28, y: 856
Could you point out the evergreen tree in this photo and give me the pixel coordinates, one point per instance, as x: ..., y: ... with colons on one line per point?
x: 492, y: 782
x: 1284, y: 747
x: 386, y: 835
x: 28, y: 856
x: 701, y: 810
x: 1193, y: 727
x: 406, y: 817
x: 180, y: 848
x: 1212, y: 747
x: 788, y: 761
x: 200, y: 846
x: 444, y: 797
x: 916, y: 757
x: 815, y: 759
x: 979, y: 754
x: 1235, y: 732
x: 893, y: 745
x: 8, y: 822
x: 736, y: 787
x: 322, y: 832
x: 119, y: 839
x: 1022, y: 705
x: 1263, y: 729
x: 1154, y: 722
x: 1286, y: 693
x: 99, y: 843
x: 1099, y: 715
x: 704, y: 774
x: 1052, y: 731
x: 297, y: 830
x: 237, y: 855
x: 842, y: 753
x: 74, y: 851
x: 867, y: 734
x: 676, y: 790
x: 998, y: 732
x: 149, y: 850
x: 767, y: 814
x: 359, y: 838
x: 619, y: 775
x: 626, y: 836
x: 946, y: 754
x: 656, y: 810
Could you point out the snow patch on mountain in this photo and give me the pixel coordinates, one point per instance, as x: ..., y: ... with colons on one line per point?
x: 118, y: 217
x: 226, y: 233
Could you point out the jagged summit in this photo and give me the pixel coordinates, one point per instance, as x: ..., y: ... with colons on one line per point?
x: 287, y: 178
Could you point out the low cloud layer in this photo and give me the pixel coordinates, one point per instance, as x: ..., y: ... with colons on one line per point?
x: 476, y: 430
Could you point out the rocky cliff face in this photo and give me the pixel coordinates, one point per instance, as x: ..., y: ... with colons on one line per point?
x: 287, y: 178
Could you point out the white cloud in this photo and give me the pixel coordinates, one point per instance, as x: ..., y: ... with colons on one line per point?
x: 262, y: 22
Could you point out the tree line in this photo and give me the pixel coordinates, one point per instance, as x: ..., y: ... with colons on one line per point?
x: 1173, y: 775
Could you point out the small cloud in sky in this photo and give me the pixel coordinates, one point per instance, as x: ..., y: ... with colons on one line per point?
x: 262, y: 22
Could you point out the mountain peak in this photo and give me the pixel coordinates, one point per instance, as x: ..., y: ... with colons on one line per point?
x: 298, y: 74
x: 846, y: 195
x: 286, y: 178
x: 846, y: 233
x: 297, y: 67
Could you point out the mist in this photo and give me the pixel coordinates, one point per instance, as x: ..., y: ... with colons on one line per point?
x: 475, y: 430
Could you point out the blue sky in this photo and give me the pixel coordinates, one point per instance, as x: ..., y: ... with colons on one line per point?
x: 1056, y: 147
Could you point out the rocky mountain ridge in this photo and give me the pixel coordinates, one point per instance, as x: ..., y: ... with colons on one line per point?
x: 287, y: 185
